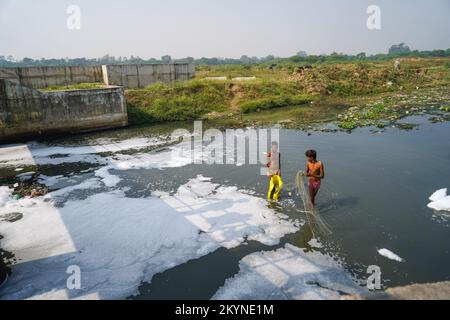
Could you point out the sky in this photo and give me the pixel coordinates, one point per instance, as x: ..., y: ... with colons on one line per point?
x: 218, y: 28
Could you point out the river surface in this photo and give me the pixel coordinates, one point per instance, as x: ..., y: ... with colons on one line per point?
x: 374, y: 196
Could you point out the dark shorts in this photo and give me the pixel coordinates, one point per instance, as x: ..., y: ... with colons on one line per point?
x: 314, y: 185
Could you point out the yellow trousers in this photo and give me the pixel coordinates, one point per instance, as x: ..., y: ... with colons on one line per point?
x: 275, y: 186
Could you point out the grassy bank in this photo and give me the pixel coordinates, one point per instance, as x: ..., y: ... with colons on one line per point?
x: 289, y: 92
x: 79, y: 86
x: 351, y: 93
x: 177, y: 102
x: 207, y: 100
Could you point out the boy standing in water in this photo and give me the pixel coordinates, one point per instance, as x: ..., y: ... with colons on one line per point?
x: 274, y: 161
x: 274, y: 172
x: 315, y: 172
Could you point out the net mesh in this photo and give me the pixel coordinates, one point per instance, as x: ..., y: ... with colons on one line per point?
x: 317, y: 224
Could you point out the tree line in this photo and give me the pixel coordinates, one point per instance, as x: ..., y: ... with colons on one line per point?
x: 398, y: 50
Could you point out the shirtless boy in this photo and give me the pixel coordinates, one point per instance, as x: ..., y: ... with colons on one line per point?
x: 315, y: 172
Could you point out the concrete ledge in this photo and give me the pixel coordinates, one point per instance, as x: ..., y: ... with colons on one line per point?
x: 25, y: 112
x: 140, y: 76
x: 43, y: 77
x: 128, y: 76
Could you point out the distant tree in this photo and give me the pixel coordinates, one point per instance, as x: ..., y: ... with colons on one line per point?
x: 302, y: 54
x: 10, y: 61
x: 399, y: 49
x: 166, y: 59
x: 27, y: 60
x: 361, y: 55
x: 245, y: 59
x: 439, y: 53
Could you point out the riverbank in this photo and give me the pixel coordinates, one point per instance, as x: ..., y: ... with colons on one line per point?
x: 350, y: 94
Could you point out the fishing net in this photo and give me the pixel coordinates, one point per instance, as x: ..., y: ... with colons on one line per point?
x: 317, y: 224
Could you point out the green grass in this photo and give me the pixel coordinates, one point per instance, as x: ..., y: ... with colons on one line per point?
x: 182, y: 101
x: 274, y: 102
x: 267, y: 88
x: 372, y: 113
x: 260, y: 71
x: 80, y: 86
x: 284, y: 86
x: 349, y: 125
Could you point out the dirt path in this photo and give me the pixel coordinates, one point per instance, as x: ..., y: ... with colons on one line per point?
x: 237, y: 96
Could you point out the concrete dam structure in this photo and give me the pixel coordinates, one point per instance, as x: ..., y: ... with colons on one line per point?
x: 43, y: 77
x: 128, y: 76
x: 26, y: 112
x: 140, y: 76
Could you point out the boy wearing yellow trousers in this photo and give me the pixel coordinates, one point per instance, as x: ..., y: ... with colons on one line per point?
x: 274, y: 172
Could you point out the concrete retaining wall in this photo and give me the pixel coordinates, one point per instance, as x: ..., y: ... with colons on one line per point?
x: 128, y: 76
x: 25, y: 112
x: 140, y: 76
x: 43, y: 77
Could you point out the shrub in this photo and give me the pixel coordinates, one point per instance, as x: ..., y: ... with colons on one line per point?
x: 275, y: 102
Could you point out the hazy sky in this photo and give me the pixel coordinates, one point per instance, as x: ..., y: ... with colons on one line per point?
x: 214, y: 28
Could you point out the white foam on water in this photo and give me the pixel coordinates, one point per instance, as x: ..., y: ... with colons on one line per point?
x: 5, y: 194
x: 25, y: 176
x: 288, y: 273
x: 440, y: 201
x: 36, y: 153
x: 237, y: 216
x: 175, y: 156
x: 390, y: 255
x: 315, y: 243
x: 50, y: 181
x: 178, y: 155
x: 118, y: 242
x: 438, y: 195
x: 41, y: 233
x: 108, y: 179
x: 140, y: 161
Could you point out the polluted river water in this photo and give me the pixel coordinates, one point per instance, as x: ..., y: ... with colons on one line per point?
x: 140, y: 220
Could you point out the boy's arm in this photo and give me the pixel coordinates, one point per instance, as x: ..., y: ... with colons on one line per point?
x: 268, y: 159
x: 279, y: 164
x: 322, y: 171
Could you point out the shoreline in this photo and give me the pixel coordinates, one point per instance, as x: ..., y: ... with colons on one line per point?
x: 338, y: 111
